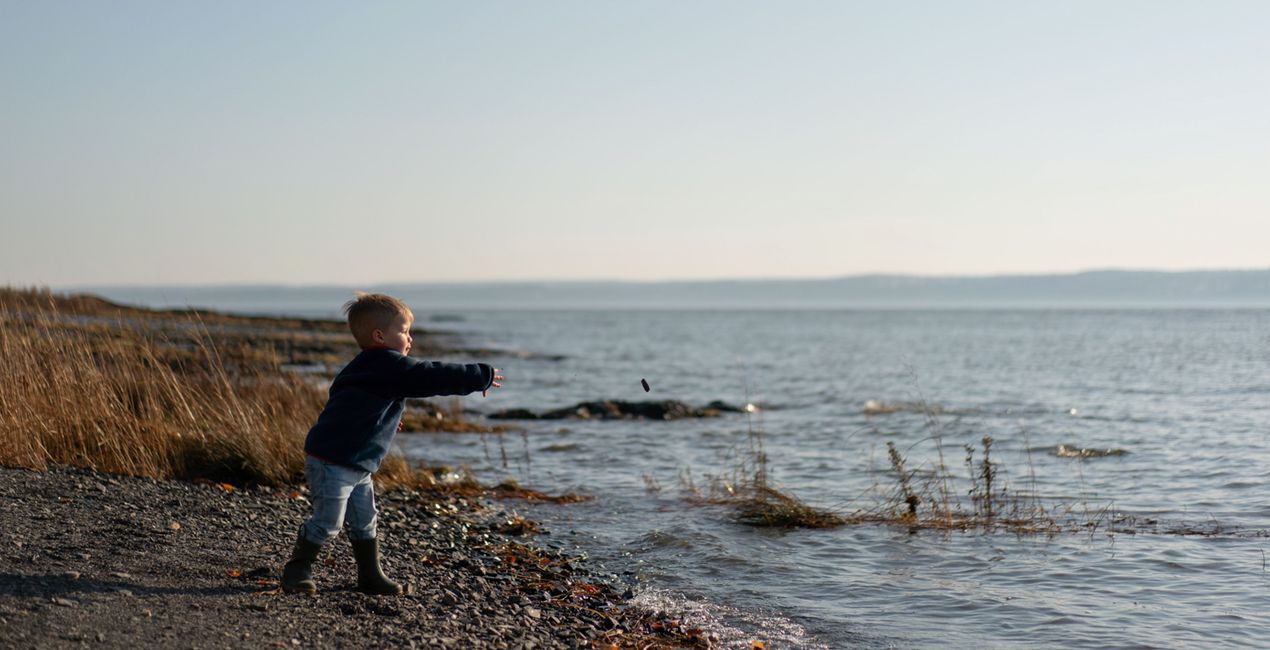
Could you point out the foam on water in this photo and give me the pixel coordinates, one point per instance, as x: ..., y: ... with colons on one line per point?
x: 729, y: 627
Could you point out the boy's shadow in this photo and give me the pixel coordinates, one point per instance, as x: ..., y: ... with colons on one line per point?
x: 51, y: 586
x: 46, y: 586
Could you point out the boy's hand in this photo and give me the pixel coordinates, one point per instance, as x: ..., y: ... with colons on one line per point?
x: 494, y: 384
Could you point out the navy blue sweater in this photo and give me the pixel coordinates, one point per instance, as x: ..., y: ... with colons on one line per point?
x: 368, y: 396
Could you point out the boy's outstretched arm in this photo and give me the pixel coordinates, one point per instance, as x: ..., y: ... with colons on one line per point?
x: 433, y: 378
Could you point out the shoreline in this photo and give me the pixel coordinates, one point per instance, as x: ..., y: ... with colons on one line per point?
x: 117, y: 561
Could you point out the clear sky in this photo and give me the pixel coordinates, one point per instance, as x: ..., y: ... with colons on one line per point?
x: 310, y: 142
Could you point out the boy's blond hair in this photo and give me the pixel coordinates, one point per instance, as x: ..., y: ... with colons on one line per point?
x: 368, y: 312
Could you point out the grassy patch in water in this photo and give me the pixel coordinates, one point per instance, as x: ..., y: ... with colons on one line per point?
x: 771, y: 508
x: 747, y: 490
x: 916, y: 500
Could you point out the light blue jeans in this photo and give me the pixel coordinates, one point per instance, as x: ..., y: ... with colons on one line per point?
x: 340, y: 495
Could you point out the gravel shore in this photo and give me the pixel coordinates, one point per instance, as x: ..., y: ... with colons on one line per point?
x: 89, y: 559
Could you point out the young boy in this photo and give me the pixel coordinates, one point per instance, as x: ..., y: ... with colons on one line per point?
x: 355, y: 430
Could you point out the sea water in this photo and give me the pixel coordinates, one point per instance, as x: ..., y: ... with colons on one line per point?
x: 1182, y: 397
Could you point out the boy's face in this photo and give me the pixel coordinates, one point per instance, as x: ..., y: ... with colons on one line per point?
x: 396, y: 336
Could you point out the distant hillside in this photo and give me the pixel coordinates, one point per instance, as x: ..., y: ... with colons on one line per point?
x: 1249, y: 288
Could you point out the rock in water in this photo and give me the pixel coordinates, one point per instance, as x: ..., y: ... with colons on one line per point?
x: 620, y: 410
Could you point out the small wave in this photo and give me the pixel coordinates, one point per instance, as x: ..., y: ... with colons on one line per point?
x: 729, y: 627
x: 563, y: 446
x: 875, y: 407
x: 1133, y: 525
x: 879, y: 407
x: 1061, y: 620
x: 1241, y: 485
x: 659, y: 539
x: 989, y: 410
x: 1073, y: 451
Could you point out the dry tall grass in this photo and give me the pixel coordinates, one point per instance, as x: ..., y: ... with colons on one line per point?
x: 82, y: 384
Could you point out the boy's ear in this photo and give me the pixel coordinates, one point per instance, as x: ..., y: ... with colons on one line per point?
x: 377, y: 335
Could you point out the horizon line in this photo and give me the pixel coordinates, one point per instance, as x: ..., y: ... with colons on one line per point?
x: 586, y: 281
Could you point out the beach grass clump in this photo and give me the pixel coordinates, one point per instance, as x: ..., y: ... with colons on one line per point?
x: 747, y: 489
x: 771, y: 508
x: 761, y: 506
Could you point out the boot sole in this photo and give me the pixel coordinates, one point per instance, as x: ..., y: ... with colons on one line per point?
x: 399, y: 592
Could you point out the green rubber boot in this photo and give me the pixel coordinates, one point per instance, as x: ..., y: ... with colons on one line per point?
x: 371, y: 578
x: 297, y: 575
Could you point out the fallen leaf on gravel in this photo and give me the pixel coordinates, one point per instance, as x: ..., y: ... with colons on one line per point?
x: 584, y: 589
x: 265, y: 582
x: 173, y: 526
x: 757, y: 645
x: 232, y: 573
x: 293, y: 495
x: 271, y: 592
x: 225, y: 486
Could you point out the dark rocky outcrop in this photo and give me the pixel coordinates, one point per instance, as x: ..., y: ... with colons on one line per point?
x: 622, y: 410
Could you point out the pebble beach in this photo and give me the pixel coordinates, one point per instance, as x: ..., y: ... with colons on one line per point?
x: 96, y: 560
